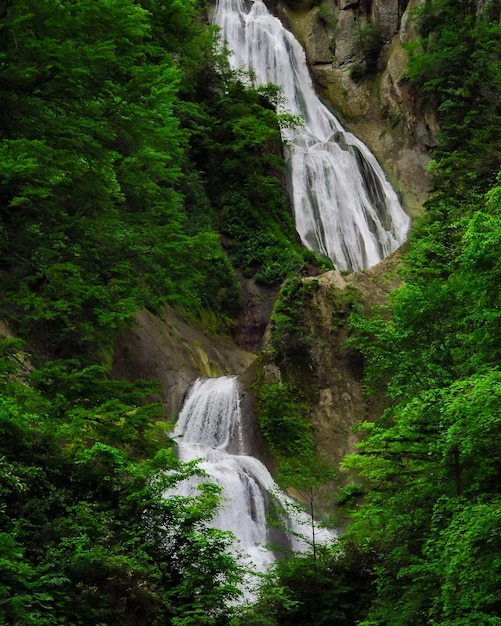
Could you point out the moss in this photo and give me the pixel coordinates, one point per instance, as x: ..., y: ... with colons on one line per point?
x: 289, y: 339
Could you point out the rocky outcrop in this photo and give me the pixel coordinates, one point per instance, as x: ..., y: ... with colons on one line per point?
x: 341, y: 403
x: 258, y: 301
x: 329, y: 374
x: 165, y: 348
x: 358, y: 60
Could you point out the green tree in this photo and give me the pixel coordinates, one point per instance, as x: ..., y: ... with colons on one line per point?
x: 430, y: 462
x: 87, y: 533
x: 331, y: 590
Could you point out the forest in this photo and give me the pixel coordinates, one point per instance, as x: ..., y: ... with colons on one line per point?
x: 138, y: 168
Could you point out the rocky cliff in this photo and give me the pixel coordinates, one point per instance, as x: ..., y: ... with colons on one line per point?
x: 324, y: 370
x: 313, y: 356
x: 162, y: 346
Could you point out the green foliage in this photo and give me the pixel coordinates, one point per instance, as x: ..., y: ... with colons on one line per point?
x: 129, y: 151
x: 282, y: 420
x: 432, y: 455
x: 127, y: 146
x: 370, y: 43
x: 235, y: 140
x: 348, y: 493
x: 466, y: 554
x: 436, y: 356
x: 289, y: 340
x: 330, y: 590
x: 255, y: 243
x: 87, y: 535
x: 456, y: 65
x: 433, y: 463
x: 327, y: 15
x: 129, y: 154
x: 429, y: 465
x: 93, y: 221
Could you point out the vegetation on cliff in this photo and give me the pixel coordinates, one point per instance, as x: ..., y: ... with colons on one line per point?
x: 431, y: 462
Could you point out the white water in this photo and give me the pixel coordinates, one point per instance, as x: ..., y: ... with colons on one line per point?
x: 209, y: 426
x: 344, y: 207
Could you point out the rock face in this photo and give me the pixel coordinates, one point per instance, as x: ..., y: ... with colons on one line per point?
x: 330, y: 374
x: 341, y: 403
x: 165, y: 348
x: 356, y: 52
x: 258, y: 301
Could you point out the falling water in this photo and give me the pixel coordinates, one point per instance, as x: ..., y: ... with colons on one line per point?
x: 210, y: 428
x: 344, y: 207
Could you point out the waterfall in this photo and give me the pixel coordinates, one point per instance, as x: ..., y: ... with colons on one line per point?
x: 210, y: 428
x: 344, y: 207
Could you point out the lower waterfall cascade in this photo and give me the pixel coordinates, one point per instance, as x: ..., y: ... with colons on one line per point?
x: 211, y: 428
x: 344, y: 207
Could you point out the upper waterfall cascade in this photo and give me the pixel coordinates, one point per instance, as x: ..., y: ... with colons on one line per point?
x: 344, y: 207
x: 208, y: 427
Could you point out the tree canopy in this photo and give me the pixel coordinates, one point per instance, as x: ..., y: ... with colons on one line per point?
x: 431, y: 464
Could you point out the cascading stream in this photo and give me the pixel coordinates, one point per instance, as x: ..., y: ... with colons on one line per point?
x: 210, y: 428
x: 344, y: 207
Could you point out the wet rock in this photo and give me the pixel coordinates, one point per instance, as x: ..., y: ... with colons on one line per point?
x: 164, y: 347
